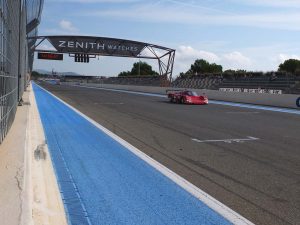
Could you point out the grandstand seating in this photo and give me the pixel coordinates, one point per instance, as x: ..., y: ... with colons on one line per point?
x: 197, y: 82
x: 288, y: 84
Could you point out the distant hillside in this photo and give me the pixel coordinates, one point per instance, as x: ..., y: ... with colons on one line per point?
x: 69, y: 74
x: 43, y: 72
x: 58, y: 73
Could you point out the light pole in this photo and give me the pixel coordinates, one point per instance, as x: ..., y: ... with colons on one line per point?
x: 139, y: 67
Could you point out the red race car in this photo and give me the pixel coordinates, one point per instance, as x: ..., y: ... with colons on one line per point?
x: 186, y: 97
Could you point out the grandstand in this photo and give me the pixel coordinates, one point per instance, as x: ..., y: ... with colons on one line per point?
x: 198, y: 82
x: 285, y: 83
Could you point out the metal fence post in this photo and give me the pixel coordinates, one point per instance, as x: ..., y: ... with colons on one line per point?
x: 19, y: 54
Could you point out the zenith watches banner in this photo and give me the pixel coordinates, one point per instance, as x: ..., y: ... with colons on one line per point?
x: 96, y: 45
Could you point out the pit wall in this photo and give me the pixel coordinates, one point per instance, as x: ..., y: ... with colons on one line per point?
x: 276, y: 100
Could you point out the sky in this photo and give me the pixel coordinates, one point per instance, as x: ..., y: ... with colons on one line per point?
x: 256, y: 35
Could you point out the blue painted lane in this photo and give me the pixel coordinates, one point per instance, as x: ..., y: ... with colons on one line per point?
x: 102, y: 182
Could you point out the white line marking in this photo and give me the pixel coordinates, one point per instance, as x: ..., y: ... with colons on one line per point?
x: 243, y: 112
x: 229, y: 141
x: 210, y: 201
x: 108, y: 103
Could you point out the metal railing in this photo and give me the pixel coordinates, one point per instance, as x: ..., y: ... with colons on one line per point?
x: 9, y: 48
x: 14, y: 56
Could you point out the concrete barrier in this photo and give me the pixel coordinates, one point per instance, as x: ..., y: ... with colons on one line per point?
x: 283, y: 100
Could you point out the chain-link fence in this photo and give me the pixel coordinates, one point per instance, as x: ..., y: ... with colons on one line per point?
x: 15, y: 59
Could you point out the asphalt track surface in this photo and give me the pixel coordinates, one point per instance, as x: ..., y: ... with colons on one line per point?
x: 258, y: 177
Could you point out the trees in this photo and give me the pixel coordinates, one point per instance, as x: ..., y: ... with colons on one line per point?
x: 290, y: 65
x: 124, y: 74
x: 35, y: 75
x: 140, y: 69
x: 230, y: 71
x: 201, y: 66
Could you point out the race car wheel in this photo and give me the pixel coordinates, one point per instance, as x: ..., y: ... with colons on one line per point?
x: 182, y: 101
x: 298, y: 102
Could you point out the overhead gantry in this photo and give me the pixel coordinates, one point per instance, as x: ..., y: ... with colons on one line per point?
x: 104, y: 46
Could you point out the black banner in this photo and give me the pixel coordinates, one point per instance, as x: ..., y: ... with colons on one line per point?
x: 96, y: 45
